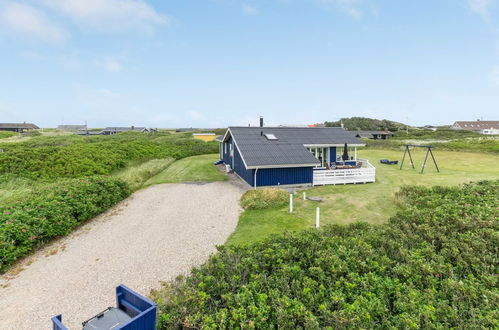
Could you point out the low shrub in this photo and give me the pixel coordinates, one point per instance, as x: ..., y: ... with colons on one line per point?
x: 264, y: 198
x: 433, y: 265
x: 54, y: 211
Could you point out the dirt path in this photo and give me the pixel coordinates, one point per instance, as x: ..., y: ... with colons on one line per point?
x: 155, y: 235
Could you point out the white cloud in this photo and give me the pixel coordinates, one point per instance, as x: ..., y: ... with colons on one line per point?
x: 494, y: 75
x: 30, y: 22
x: 352, y: 8
x: 108, y: 93
x: 31, y: 55
x: 110, y: 64
x: 249, y: 9
x: 481, y: 7
x: 71, y: 63
x: 109, y: 15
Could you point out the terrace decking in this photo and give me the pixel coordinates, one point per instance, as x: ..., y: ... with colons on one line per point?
x: 364, y: 174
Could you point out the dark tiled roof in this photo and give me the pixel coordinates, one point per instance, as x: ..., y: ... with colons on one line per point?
x: 71, y: 127
x: 123, y: 129
x: 19, y: 125
x: 289, y: 148
x: 366, y: 135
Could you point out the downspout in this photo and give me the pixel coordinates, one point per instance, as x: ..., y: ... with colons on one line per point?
x: 254, y: 180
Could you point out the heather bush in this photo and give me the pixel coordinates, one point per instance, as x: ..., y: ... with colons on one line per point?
x: 433, y: 265
x: 54, y: 211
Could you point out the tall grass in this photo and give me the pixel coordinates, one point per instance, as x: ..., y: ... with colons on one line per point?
x: 137, y: 175
x: 14, y: 188
x: 264, y: 198
x: 6, y: 134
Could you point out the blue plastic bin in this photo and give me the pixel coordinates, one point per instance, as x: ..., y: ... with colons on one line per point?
x: 132, y: 312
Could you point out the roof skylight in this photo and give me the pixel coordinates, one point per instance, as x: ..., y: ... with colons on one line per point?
x: 271, y: 137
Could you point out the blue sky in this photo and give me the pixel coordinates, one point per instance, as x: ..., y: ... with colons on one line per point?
x: 213, y: 63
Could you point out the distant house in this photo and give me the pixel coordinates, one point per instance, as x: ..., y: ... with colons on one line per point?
x: 207, y: 137
x: 374, y: 135
x: 488, y: 127
x: 71, y: 128
x: 115, y: 130
x: 184, y: 130
x: 273, y: 156
x: 88, y: 132
x: 18, y: 127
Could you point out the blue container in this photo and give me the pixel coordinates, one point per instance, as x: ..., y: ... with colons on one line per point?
x: 132, y: 312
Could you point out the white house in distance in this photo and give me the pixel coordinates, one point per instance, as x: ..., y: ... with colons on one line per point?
x: 487, y: 127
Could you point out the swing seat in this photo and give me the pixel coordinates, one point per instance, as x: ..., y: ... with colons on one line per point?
x: 389, y: 162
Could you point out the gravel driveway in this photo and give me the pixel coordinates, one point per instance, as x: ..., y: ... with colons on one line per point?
x: 155, y: 235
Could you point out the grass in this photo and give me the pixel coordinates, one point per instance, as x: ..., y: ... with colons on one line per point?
x: 136, y: 175
x: 374, y: 202
x: 190, y: 169
x: 475, y: 143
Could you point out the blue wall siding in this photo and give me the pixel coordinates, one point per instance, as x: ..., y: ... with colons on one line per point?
x: 246, y: 175
x: 283, y: 176
x: 237, y: 164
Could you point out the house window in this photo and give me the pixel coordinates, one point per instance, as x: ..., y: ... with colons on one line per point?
x: 225, y: 147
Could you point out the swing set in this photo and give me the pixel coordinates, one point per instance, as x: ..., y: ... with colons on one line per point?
x: 428, y: 152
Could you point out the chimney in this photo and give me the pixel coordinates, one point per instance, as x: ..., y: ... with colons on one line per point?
x: 261, y: 133
x: 261, y: 121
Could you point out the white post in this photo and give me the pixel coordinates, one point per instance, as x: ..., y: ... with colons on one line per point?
x: 290, y: 203
x: 355, y: 153
x: 317, y: 217
x: 304, y: 196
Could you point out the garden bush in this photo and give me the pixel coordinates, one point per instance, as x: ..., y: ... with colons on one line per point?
x: 433, y: 265
x: 264, y: 198
x: 54, y: 211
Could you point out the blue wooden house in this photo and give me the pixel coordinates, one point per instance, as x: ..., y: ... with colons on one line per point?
x: 273, y: 156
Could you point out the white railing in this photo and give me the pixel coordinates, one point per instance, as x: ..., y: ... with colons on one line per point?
x: 364, y: 174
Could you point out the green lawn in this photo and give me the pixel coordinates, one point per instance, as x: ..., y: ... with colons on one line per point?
x: 190, y: 169
x: 373, y: 202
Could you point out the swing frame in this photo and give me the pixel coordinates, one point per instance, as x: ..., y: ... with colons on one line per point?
x: 428, y: 152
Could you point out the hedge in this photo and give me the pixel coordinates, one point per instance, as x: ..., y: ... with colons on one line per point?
x: 433, y: 265
x: 54, y: 211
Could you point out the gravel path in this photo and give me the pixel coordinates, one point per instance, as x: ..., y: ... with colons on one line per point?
x: 155, y: 235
